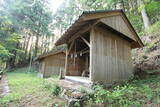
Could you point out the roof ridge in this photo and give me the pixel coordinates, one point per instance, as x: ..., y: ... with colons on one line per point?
x: 100, y: 11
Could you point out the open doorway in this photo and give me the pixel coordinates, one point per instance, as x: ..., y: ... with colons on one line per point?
x: 79, y: 57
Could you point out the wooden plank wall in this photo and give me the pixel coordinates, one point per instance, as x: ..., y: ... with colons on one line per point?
x: 53, y: 64
x: 75, y: 68
x: 110, y: 57
x: 42, y: 67
x: 75, y: 64
x: 119, y: 24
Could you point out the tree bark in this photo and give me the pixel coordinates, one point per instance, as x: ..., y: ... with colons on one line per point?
x: 145, y: 17
x: 24, y: 43
x: 123, y: 5
x: 36, y: 45
x: 11, y: 61
x: 27, y: 44
x: 42, y: 43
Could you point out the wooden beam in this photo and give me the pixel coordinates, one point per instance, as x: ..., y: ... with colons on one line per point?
x: 74, y: 55
x: 71, y: 46
x: 99, y: 15
x: 83, y: 52
x: 87, y: 51
x: 85, y: 41
x: 83, y: 30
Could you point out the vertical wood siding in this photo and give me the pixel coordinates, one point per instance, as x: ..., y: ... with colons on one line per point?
x: 118, y: 23
x: 53, y: 64
x: 75, y: 68
x: 110, y: 57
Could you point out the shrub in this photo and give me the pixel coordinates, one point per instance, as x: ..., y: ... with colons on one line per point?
x: 154, y: 29
x: 47, y: 85
x: 119, y: 96
x: 55, y: 89
x: 1, y: 72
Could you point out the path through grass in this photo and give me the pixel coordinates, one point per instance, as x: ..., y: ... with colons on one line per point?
x: 26, y: 89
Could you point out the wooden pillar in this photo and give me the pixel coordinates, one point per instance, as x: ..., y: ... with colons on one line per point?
x: 91, y: 55
x: 66, y: 63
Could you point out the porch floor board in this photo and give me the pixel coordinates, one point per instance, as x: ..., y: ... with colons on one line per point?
x: 75, y: 82
x: 83, y: 80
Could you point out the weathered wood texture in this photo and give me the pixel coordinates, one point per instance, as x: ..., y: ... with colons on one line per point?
x: 51, y: 65
x: 119, y: 24
x: 75, y: 66
x: 114, y: 19
x: 42, y: 66
x: 75, y: 63
x: 110, y: 57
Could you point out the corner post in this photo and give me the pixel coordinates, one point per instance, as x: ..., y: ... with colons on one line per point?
x: 66, y: 62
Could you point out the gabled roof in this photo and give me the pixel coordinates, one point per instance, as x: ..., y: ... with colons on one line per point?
x: 49, y: 54
x: 90, y: 17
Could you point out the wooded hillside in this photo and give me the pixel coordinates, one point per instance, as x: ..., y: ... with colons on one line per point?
x: 29, y: 28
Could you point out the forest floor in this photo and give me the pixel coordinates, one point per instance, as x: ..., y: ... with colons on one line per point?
x: 27, y: 90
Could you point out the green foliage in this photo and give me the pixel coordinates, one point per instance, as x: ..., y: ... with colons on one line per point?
x: 83, y: 90
x: 18, y: 19
x: 20, y: 84
x: 9, y: 38
x: 153, y: 9
x: 22, y: 18
x: 150, y: 46
x: 154, y: 29
x: 4, y: 53
x: 26, y: 87
x: 136, y: 21
x: 70, y: 10
x: 33, y: 17
x: 135, y: 93
x: 37, y: 17
x: 54, y: 88
x: 47, y: 85
x: 77, y: 104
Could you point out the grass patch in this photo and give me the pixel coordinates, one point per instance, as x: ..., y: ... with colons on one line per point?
x: 52, y: 86
x: 135, y: 93
x: 27, y: 89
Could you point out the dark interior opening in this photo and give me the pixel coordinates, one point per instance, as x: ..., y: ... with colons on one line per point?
x: 79, y: 57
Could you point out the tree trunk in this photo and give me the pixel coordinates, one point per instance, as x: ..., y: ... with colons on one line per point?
x: 42, y: 44
x: 30, y: 52
x: 123, y: 5
x: 11, y: 60
x: 27, y: 44
x: 24, y: 43
x: 145, y: 17
x: 36, y: 45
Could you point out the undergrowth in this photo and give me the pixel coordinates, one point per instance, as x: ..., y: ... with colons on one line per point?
x: 135, y: 93
x: 54, y: 88
x: 153, y: 30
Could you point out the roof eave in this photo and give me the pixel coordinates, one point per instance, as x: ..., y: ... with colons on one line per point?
x: 138, y: 39
x: 81, y: 18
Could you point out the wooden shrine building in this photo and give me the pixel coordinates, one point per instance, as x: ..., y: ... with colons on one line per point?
x: 50, y: 64
x: 99, y: 46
